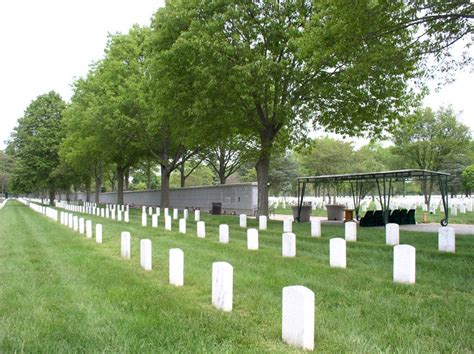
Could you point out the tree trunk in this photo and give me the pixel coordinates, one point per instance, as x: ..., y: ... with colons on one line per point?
x: 182, y: 175
x: 88, y: 190
x: 126, y: 178
x: 262, y: 167
x: 165, y: 186
x: 148, y: 176
x: 120, y: 177
x: 52, y: 195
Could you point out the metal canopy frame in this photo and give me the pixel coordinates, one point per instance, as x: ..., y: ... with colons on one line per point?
x: 383, y: 181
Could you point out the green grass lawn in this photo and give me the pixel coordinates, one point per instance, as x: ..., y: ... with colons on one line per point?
x: 61, y: 292
x: 467, y: 218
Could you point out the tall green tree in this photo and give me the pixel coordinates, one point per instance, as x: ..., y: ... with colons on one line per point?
x: 274, y: 67
x: 434, y: 141
x: 35, y: 144
x: 7, y: 165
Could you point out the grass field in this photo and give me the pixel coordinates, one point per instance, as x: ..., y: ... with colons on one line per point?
x: 467, y: 218
x: 61, y: 292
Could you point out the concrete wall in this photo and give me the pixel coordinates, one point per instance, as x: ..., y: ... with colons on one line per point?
x: 235, y: 198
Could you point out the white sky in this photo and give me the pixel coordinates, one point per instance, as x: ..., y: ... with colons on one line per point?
x: 45, y: 44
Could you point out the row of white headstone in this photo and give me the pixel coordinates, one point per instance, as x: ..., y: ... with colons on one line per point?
x: 297, y: 301
x: 81, y: 225
x: 3, y: 203
x: 114, y: 212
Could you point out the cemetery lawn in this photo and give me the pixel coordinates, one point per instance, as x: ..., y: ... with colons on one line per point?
x: 60, y: 292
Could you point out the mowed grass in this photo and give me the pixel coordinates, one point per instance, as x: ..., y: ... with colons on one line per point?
x: 61, y: 292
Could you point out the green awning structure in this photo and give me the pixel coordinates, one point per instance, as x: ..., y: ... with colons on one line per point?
x: 361, y: 183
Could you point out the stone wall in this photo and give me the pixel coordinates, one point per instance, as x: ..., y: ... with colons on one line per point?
x: 235, y: 198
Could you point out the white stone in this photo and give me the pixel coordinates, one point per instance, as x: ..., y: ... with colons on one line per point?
x: 102, y: 212
x: 167, y: 222
x: 176, y: 266
x: 154, y: 220
x: 143, y: 209
x: 298, y: 307
x: 404, y: 264
x: 82, y: 229
x: 119, y: 215
x: 107, y: 213
x: 126, y: 216
x: 125, y: 244
x: 88, y: 228
x: 337, y: 253
x: 316, y: 228
x: 182, y: 226
x: 71, y: 220
x: 262, y: 222
x: 167, y: 211
x: 112, y: 214
x: 350, y: 231
x: 61, y: 215
x: 462, y: 208
x: 288, y: 245
x: 158, y: 211
x: 144, y: 219
x: 252, y: 239
x: 224, y: 233
x: 222, y: 285
x: 185, y: 214
x: 392, y: 234
x: 145, y: 254
x: 98, y: 233
x: 446, y: 239
x: 454, y: 211
x: 243, y: 220
x: 75, y: 222
x: 287, y: 225
x: 175, y: 214
x: 197, y: 215
x: 150, y: 211
x: 201, y: 229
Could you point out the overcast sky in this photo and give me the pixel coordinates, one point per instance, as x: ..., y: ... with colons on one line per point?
x: 45, y: 44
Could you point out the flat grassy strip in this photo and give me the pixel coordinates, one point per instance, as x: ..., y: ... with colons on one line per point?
x: 62, y: 292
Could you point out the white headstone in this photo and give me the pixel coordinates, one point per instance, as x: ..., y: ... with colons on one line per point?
x: 107, y: 213
x: 298, y: 308
x: 71, y: 220
x: 126, y: 216
x: 89, y: 228
x: 125, y: 244
x: 262, y: 222
x: 201, y: 229
x: 197, y: 215
x: 222, y: 285
x: 102, y: 212
x: 350, y: 231
x: 185, y: 214
x: 143, y: 209
x: 252, y: 239
x: 75, y: 223
x: 166, y: 211
x: 316, y: 228
x: 404, y: 264
x: 337, y: 253
x: 144, y: 219
x: 176, y: 266
x: 82, y: 229
x: 150, y: 211
x: 158, y: 211
x: 288, y: 245
x: 224, y: 233
x: 175, y: 214
x: 287, y: 225
x: 392, y: 234
x: 182, y: 226
x: 462, y: 208
x: 61, y: 216
x: 243, y: 220
x: 446, y: 239
x: 119, y: 215
x: 145, y: 254
x: 98, y: 233
x: 167, y: 222
x: 154, y: 220
x: 454, y: 211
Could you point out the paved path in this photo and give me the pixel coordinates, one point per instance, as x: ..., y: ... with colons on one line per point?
x: 432, y: 227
